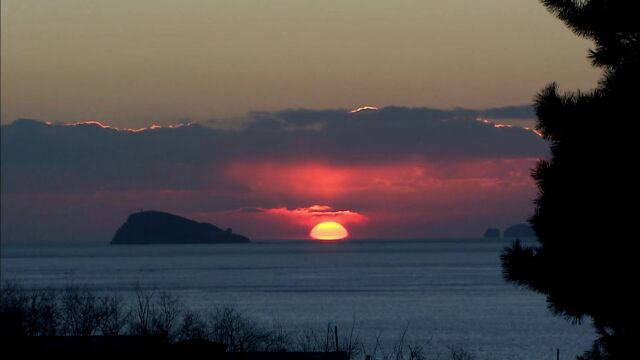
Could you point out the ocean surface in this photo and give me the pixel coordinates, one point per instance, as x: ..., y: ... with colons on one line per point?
x: 444, y: 292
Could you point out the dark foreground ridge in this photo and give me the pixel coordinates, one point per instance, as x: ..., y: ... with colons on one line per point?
x: 155, y: 227
x: 150, y: 346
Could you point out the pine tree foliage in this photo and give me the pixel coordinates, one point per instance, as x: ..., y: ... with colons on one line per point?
x: 586, y: 260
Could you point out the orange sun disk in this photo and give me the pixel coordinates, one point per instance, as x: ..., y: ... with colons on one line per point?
x: 329, y: 230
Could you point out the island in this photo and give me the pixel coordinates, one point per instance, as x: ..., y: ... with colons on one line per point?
x: 491, y: 233
x: 519, y: 231
x: 156, y: 227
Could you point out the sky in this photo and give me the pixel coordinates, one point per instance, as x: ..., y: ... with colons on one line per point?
x: 135, y: 63
x: 241, y: 113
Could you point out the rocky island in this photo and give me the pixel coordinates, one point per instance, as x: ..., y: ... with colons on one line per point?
x: 155, y: 227
x: 491, y: 233
x: 519, y: 231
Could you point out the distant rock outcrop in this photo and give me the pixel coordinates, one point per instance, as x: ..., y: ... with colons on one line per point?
x: 492, y: 233
x: 519, y: 231
x: 155, y: 227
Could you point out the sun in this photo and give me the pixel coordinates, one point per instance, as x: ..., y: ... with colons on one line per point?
x: 329, y: 230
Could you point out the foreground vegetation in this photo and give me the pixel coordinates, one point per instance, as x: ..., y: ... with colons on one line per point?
x: 77, y: 312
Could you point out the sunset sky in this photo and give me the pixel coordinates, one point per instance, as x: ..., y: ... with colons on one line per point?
x: 260, y: 95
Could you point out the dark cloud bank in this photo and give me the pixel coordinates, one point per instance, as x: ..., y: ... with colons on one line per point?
x: 41, y: 157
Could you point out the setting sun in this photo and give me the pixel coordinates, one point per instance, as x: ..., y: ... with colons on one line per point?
x: 329, y: 230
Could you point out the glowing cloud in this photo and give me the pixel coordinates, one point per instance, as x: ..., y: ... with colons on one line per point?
x: 105, y: 126
x: 507, y: 126
x: 364, y: 108
x: 317, y: 213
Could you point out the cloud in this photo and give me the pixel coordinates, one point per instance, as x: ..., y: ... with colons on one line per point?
x: 314, y: 214
x: 271, y: 164
x: 523, y: 112
x: 387, y: 134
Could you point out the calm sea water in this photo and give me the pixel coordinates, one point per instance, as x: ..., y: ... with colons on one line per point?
x: 444, y: 292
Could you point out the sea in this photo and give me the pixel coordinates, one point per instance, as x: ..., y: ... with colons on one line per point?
x: 441, y: 294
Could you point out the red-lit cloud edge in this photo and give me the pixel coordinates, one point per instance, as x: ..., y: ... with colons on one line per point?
x: 133, y: 130
x: 312, y: 215
x: 487, y: 121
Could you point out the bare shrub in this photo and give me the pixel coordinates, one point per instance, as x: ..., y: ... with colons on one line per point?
x: 42, y: 314
x: 278, y: 339
x: 141, y: 316
x: 112, y: 316
x: 192, y: 327
x: 78, y: 312
x: 236, y: 332
x: 458, y: 353
x: 164, y: 315
x: 310, y: 340
x: 155, y: 314
x: 12, y: 311
x: 350, y: 341
x: 401, y: 350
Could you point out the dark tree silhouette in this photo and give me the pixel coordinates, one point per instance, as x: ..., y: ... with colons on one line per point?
x: 585, y: 261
